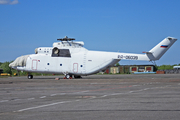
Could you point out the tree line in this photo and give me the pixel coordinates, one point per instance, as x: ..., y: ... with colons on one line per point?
x: 167, y: 67
x: 7, y: 69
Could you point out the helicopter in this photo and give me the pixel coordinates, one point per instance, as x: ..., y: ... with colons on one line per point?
x: 70, y: 58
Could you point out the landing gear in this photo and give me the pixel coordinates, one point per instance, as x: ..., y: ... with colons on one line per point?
x: 77, y: 76
x: 30, y: 76
x: 67, y: 76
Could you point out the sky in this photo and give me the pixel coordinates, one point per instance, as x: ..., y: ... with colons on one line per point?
x: 131, y: 26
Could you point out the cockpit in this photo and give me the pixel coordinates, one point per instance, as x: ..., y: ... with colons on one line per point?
x: 60, y: 52
x: 61, y: 49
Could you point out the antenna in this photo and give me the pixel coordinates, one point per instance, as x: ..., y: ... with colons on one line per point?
x: 66, y: 39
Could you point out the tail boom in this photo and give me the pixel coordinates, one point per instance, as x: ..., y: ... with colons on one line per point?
x: 154, y: 54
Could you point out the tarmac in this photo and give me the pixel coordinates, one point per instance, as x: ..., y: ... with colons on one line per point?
x: 95, y: 97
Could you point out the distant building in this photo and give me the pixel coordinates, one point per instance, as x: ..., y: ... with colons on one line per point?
x: 127, y: 69
x: 1, y: 70
x: 175, y: 70
x: 176, y: 67
x: 141, y: 68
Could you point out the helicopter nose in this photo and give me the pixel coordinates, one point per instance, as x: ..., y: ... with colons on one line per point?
x: 19, y: 62
x: 11, y: 65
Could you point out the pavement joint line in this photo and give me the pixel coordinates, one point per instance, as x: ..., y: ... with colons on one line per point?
x: 4, y: 101
x: 104, y: 96
x: 30, y: 98
x: 43, y: 97
x: 41, y: 106
x: 82, y: 91
x: 146, y: 88
x: 53, y: 94
x: 134, y: 91
x: 17, y: 99
x: 135, y: 85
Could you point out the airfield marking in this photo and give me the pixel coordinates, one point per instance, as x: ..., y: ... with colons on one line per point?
x: 68, y: 92
x: 75, y: 92
x: 4, y: 101
x: 43, y: 97
x: 53, y: 94
x: 30, y: 98
x: 85, y: 98
x: 135, y: 91
x: 17, y: 99
x: 30, y: 108
x: 88, y: 98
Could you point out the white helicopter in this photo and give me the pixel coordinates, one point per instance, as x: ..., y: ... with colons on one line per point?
x: 72, y: 59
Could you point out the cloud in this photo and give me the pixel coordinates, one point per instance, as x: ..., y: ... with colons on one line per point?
x: 9, y: 2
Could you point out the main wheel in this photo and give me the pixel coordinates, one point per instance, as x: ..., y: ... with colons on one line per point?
x: 68, y: 76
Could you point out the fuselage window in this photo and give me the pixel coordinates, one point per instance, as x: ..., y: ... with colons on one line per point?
x: 64, y: 53
x: 60, y: 52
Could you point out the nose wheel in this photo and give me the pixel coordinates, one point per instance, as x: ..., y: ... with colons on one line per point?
x: 30, y: 76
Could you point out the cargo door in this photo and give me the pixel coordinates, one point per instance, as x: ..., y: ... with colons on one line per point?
x: 75, y: 67
x: 34, y: 64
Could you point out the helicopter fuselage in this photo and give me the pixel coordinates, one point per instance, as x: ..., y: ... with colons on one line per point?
x: 71, y: 58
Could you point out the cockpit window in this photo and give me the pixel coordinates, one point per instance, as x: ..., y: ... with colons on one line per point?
x: 55, y: 52
x: 64, y: 53
x: 60, y: 52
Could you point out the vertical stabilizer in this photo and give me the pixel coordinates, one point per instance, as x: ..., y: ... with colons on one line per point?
x: 159, y: 50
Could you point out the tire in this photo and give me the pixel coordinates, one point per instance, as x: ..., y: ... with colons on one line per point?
x: 68, y: 76
x: 77, y: 76
x: 30, y: 76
